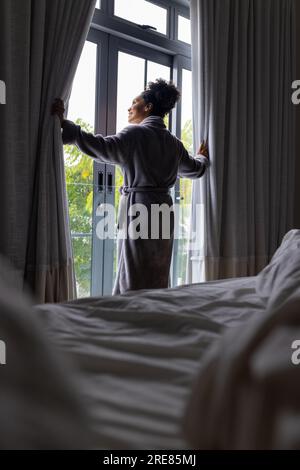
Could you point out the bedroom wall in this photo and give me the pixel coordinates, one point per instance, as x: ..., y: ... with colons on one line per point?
x: 297, y: 173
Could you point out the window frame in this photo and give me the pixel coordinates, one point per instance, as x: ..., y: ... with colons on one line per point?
x: 180, y: 12
x: 105, y: 20
x: 159, y: 3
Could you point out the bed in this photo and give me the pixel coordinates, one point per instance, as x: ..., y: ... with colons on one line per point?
x: 137, y: 355
x: 147, y: 367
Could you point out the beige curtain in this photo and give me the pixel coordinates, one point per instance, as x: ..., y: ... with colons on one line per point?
x: 243, y: 60
x: 41, y: 43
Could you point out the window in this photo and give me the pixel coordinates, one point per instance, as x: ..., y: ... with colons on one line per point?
x: 185, y: 184
x: 112, y: 71
x: 184, y: 29
x: 130, y: 84
x: 79, y: 169
x: 142, y: 12
x: 186, y: 110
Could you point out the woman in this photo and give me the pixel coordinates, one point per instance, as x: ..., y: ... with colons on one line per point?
x: 150, y: 158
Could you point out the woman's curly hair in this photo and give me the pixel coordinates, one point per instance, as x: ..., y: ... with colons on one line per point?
x: 163, y: 95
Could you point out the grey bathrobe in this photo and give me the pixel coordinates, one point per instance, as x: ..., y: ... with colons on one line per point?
x: 151, y: 158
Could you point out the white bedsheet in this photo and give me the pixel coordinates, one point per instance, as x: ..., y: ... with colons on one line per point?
x: 137, y: 355
x: 247, y: 391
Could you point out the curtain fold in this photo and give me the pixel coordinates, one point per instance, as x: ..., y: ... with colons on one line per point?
x: 243, y: 61
x: 41, y: 43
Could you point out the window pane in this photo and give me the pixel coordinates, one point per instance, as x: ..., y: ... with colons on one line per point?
x: 131, y: 76
x: 185, y: 195
x: 82, y: 251
x: 82, y: 101
x: 131, y: 71
x: 154, y: 71
x: 98, y: 4
x: 186, y: 110
x: 79, y: 168
x: 184, y: 29
x: 142, y: 12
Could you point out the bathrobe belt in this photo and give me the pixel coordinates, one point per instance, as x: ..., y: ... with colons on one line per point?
x: 125, y: 190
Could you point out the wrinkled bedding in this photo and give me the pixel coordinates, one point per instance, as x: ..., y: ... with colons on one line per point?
x: 200, y: 366
x: 137, y: 355
x: 247, y: 390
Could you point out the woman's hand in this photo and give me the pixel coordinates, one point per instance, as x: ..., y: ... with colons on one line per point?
x: 58, y: 108
x: 203, y: 149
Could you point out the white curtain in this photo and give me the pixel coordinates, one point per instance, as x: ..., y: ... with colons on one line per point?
x: 40, y: 46
x: 243, y: 64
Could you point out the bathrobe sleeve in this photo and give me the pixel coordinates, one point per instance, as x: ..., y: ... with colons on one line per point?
x: 113, y: 149
x: 190, y: 167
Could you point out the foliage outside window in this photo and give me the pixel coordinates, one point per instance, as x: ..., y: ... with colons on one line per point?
x: 79, y: 179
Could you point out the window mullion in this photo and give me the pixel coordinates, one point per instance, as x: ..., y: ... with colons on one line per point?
x: 172, y: 17
x: 146, y: 74
x: 111, y: 7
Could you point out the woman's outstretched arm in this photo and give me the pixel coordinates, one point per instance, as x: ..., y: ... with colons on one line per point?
x: 113, y: 149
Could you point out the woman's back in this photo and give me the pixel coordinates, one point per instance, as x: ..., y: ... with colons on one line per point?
x: 154, y: 155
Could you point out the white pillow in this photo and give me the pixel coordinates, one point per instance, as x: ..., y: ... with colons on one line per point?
x: 281, y: 277
x: 246, y: 395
